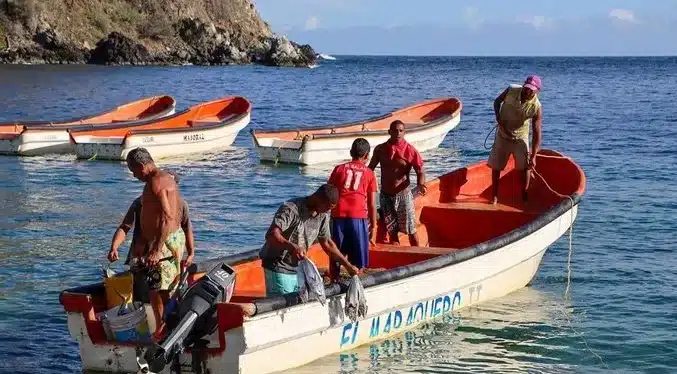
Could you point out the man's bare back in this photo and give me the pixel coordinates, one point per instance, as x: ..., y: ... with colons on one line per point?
x: 160, y: 209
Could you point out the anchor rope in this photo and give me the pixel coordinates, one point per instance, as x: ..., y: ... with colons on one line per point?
x: 567, y: 296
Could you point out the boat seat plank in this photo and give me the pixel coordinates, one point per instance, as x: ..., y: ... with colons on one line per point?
x: 408, y: 249
x: 392, y: 256
x: 475, y: 205
x: 210, y: 120
x: 485, y: 206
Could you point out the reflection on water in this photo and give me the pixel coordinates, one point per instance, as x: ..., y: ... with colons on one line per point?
x: 525, y: 331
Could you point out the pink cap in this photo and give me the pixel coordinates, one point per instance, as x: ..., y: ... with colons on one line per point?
x: 533, y: 82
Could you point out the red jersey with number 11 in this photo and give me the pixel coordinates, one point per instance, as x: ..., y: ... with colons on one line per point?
x: 355, y: 181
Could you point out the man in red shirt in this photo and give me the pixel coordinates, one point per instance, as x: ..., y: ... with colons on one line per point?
x: 397, y: 157
x: 357, y: 202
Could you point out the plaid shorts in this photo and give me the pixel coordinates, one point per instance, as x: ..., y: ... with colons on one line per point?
x: 398, y: 212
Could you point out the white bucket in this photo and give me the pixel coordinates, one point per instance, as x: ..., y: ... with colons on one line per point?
x: 130, y: 327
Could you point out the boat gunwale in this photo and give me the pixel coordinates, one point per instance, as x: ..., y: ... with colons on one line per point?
x: 364, y: 122
x: 203, y: 126
x: 112, y: 126
x: 104, y: 125
x: 54, y: 125
x: 410, y: 130
x: 271, y: 304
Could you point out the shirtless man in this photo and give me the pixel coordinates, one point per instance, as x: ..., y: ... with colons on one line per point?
x: 132, y: 220
x: 160, y: 230
x: 397, y: 157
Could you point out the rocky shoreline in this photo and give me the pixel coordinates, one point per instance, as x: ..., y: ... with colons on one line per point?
x: 191, y: 41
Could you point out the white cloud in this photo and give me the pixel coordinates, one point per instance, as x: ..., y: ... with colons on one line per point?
x: 538, y: 22
x: 312, y: 23
x: 623, y: 15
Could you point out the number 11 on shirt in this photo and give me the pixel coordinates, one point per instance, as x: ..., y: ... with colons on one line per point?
x: 349, y: 179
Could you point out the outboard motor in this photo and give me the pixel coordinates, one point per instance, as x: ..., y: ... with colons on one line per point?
x: 196, y: 314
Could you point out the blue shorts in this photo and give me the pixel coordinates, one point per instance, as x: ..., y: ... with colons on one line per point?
x: 280, y: 283
x: 351, y: 236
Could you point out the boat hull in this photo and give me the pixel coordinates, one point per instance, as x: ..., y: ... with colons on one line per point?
x: 325, y: 150
x: 300, y: 334
x: 161, y: 144
x: 43, y: 142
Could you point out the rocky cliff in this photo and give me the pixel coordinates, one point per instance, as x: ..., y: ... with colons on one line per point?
x: 140, y: 32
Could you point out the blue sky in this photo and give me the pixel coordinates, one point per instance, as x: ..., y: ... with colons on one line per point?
x: 481, y: 27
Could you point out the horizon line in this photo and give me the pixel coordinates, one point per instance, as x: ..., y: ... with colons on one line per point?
x: 492, y: 56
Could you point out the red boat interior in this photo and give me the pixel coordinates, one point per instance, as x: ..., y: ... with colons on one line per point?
x: 453, y: 215
x: 413, y: 116
x: 209, y: 113
x: 137, y: 110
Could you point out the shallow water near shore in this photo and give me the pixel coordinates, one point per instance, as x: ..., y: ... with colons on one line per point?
x: 608, y: 114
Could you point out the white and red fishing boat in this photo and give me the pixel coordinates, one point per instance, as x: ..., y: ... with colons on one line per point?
x: 475, y: 251
x: 427, y: 124
x: 51, y: 137
x: 201, y: 128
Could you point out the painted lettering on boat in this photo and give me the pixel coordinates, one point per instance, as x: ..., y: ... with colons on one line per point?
x: 49, y: 137
x: 393, y: 321
x: 193, y: 137
x: 147, y: 139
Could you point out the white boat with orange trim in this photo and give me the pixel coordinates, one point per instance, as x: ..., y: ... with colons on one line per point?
x: 201, y: 128
x: 51, y: 137
x: 427, y: 124
x: 475, y: 251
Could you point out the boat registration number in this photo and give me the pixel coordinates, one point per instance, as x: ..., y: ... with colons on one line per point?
x: 193, y: 137
x: 148, y: 139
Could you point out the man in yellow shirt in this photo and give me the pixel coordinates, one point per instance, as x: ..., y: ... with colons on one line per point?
x: 517, y: 109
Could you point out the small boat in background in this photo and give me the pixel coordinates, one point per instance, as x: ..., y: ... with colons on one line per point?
x: 427, y: 124
x: 198, y: 129
x: 473, y: 251
x: 49, y: 137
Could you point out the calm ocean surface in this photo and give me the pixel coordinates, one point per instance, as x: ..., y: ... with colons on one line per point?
x: 615, y: 116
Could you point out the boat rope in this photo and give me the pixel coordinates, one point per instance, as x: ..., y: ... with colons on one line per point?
x: 568, y: 285
x: 567, y: 295
x: 488, y: 134
x: 93, y: 157
x: 277, y: 155
x: 571, y: 224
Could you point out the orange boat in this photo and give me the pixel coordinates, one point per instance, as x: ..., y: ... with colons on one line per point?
x: 200, y: 128
x: 45, y: 137
x: 472, y: 251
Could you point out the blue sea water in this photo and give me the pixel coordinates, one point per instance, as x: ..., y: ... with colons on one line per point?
x: 615, y: 116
